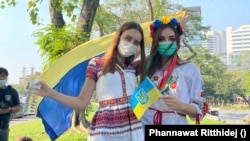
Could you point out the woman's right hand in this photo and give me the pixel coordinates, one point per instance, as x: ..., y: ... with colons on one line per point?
x: 45, y: 90
x: 39, y: 88
x: 184, y: 19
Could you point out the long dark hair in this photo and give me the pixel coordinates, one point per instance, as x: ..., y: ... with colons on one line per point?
x: 155, y: 60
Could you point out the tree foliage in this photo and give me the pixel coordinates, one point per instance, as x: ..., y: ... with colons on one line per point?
x: 55, y: 42
x: 6, y: 3
x: 248, y: 83
x: 219, y: 82
x: 232, y: 85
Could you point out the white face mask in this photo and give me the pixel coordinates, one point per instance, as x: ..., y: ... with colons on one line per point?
x: 3, y: 82
x: 126, y: 49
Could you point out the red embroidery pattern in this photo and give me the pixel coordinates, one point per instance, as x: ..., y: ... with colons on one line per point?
x: 114, y: 121
x: 95, y: 65
x: 114, y: 101
x: 203, y: 105
x: 113, y: 116
x: 155, y: 78
x: 173, y: 85
x: 202, y: 94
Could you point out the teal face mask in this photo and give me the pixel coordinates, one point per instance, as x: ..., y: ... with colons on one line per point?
x: 3, y: 82
x: 166, y: 49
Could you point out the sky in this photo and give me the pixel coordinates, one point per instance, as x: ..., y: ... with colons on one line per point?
x: 17, y: 48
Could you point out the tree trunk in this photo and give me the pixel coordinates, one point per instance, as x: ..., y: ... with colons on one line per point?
x: 151, y: 12
x: 79, y: 119
x: 100, y: 29
x: 56, y: 16
x: 246, y: 100
x: 84, y: 124
x: 86, y: 18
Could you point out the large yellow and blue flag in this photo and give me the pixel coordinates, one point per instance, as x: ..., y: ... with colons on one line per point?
x: 67, y: 76
x: 143, y: 97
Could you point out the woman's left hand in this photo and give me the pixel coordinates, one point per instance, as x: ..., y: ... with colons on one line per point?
x: 172, y: 102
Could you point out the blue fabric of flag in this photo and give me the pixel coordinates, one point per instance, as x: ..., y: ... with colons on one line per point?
x: 55, y: 116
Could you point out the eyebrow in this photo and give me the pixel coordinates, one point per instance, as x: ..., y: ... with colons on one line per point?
x: 163, y: 37
x: 172, y: 36
x: 130, y: 37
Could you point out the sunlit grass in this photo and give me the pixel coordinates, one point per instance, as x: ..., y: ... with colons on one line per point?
x: 207, y: 122
x: 35, y: 130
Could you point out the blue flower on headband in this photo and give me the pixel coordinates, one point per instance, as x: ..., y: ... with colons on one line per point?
x: 165, y: 20
x: 174, y: 22
x: 157, y: 24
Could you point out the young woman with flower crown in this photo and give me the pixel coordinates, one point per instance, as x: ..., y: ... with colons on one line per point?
x: 114, y: 79
x: 179, y: 81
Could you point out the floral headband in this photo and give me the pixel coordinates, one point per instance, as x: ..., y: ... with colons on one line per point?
x: 165, y: 20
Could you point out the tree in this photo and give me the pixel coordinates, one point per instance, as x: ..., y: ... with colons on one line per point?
x: 51, y: 47
x: 248, y: 85
x: 150, y: 7
x: 232, y: 84
x: 243, y: 60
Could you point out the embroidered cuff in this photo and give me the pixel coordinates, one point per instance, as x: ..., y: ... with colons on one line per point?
x: 198, y: 111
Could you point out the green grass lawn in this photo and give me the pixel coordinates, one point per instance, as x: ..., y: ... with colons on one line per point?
x: 36, y: 130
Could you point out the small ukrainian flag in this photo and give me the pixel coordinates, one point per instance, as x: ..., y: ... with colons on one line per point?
x: 143, y: 97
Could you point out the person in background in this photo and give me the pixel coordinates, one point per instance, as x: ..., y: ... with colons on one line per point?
x: 9, y: 103
x: 178, y: 80
x: 113, y: 76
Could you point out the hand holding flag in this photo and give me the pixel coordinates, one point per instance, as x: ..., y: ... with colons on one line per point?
x: 143, y: 97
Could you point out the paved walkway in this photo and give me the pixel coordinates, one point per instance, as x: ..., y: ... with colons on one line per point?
x: 230, y: 116
x: 17, y: 121
x: 233, y: 116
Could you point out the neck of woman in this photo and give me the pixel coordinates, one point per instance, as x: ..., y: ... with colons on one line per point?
x: 120, y: 60
x: 166, y: 62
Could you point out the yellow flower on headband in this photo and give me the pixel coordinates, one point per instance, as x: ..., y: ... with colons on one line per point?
x: 165, y: 19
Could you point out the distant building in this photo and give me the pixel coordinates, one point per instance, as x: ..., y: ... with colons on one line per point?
x: 215, y: 42
x: 229, y: 45
x: 194, y: 39
x: 27, y: 75
x: 238, y: 42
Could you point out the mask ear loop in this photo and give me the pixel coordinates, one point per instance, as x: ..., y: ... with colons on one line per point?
x: 169, y: 46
